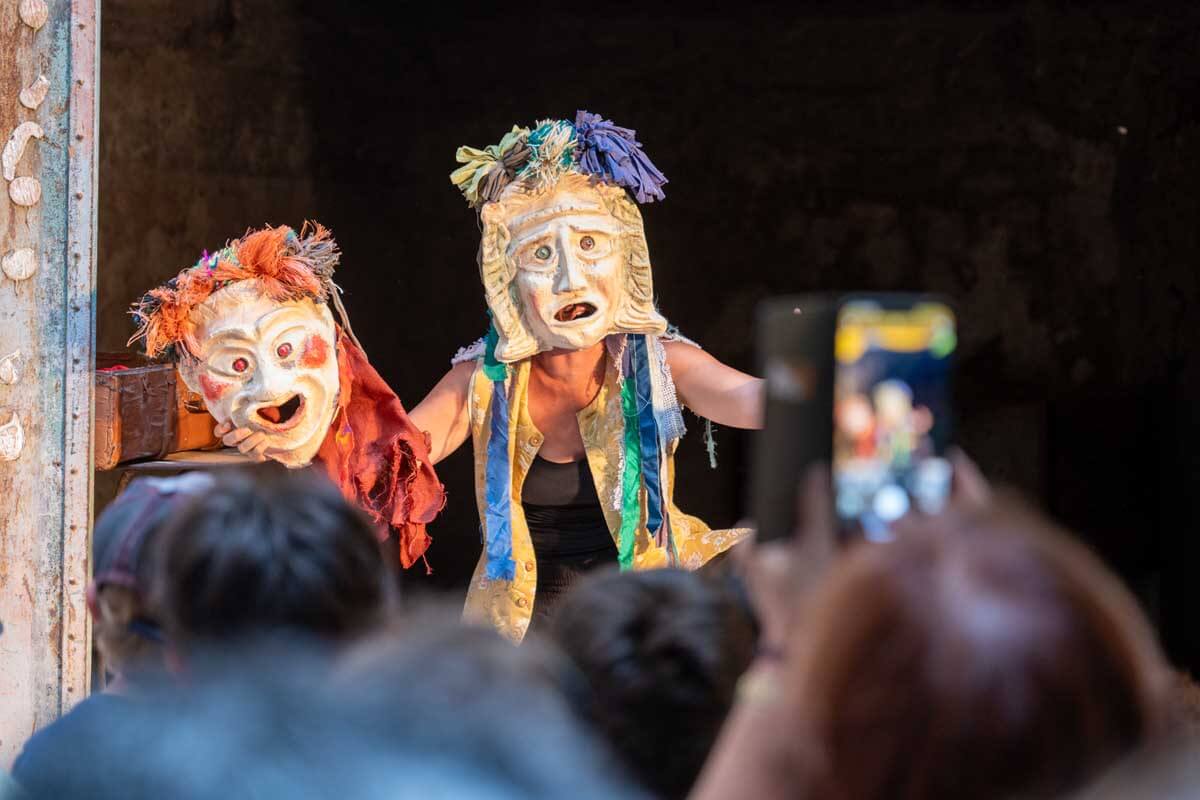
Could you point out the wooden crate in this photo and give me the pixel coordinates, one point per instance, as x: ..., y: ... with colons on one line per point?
x: 144, y: 410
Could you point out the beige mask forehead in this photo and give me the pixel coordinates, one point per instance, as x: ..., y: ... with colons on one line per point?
x: 244, y: 307
x: 578, y: 220
x: 521, y: 204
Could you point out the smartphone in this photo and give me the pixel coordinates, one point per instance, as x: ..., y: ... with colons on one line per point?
x: 860, y: 382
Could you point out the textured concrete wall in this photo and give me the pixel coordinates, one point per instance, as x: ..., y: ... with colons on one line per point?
x: 205, y: 130
x: 1037, y: 165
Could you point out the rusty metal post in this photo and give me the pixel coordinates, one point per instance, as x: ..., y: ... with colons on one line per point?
x: 48, y: 121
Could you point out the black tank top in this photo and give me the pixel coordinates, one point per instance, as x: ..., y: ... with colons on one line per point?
x: 567, y: 528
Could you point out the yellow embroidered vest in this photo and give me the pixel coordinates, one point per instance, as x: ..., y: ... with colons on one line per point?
x: 508, y: 605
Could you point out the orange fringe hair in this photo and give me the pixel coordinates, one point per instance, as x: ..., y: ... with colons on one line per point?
x: 286, y: 265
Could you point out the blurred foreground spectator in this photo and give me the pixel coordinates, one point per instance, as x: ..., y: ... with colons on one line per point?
x: 982, y: 654
x: 260, y: 573
x: 272, y: 552
x: 446, y: 712
x: 126, y: 622
x: 482, y: 708
x: 1169, y: 770
x: 661, y: 653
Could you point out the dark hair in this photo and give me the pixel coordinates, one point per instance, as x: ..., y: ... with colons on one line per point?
x: 662, y: 651
x: 475, y: 702
x: 983, y: 656
x: 268, y: 550
x: 440, y: 712
x: 126, y: 624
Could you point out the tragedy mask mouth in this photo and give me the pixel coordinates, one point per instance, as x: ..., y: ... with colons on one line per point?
x: 574, y: 311
x: 283, y: 416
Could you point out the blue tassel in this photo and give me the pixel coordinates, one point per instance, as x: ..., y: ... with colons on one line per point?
x: 612, y: 153
x: 498, y: 474
x: 648, y: 430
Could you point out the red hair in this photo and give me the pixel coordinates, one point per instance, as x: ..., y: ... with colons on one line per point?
x: 286, y: 266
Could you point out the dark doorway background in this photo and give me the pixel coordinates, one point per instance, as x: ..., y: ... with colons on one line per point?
x: 1037, y: 162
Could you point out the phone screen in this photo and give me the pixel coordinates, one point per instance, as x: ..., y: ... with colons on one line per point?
x: 891, y: 408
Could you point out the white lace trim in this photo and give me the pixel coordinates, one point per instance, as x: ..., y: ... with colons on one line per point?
x: 673, y: 335
x: 471, y: 352
x: 667, y: 413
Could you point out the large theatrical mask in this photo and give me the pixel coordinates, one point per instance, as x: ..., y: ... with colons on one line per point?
x: 564, y: 264
x: 266, y: 365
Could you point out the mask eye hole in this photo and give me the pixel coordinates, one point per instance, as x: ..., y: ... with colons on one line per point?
x: 240, y: 365
x: 542, y: 253
x: 284, y: 350
x: 587, y: 243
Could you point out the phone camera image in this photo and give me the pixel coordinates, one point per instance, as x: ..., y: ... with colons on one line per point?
x: 891, y: 413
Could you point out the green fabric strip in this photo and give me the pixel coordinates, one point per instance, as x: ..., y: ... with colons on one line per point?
x: 493, y: 369
x: 631, y: 476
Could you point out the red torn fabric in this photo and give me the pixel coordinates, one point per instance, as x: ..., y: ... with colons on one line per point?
x: 378, y: 457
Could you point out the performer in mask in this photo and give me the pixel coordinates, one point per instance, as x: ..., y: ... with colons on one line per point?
x: 572, y: 401
x: 251, y: 329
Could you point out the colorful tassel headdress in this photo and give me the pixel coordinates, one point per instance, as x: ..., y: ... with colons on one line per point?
x: 287, y: 266
x: 591, y: 146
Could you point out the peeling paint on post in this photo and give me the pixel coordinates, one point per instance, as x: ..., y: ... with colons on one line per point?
x: 45, y: 519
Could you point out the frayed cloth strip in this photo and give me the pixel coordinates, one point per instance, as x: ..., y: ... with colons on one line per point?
x: 613, y: 154
x: 552, y: 152
x: 498, y: 470
x: 651, y: 446
x: 498, y: 491
x: 667, y: 413
x: 486, y: 172
x: 377, y: 456
x: 631, y: 472
x: 710, y: 444
x: 591, y: 146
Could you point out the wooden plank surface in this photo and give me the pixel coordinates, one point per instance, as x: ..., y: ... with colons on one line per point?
x: 189, y: 459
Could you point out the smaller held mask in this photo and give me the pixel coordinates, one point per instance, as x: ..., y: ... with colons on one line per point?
x: 268, y: 366
x: 251, y: 330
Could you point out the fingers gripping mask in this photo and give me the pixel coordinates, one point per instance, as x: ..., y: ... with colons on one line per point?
x: 268, y: 366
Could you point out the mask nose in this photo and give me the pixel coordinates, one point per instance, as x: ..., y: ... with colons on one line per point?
x: 570, y: 275
x: 273, y: 383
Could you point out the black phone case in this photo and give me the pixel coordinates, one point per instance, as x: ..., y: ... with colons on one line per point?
x: 795, y: 356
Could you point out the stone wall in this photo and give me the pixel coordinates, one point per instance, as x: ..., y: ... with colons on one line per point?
x: 1037, y: 165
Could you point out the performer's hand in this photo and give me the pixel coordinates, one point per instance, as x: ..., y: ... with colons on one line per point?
x: 969, y: 487
x: 251, y: 444
x: 779, y: 574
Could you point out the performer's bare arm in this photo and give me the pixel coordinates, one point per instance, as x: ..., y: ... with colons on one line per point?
x: 444, y: 413
x: 712, y: 389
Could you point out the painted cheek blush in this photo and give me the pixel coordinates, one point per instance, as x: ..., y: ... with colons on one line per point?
x: 213, y: 390
x: 316, y: 351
